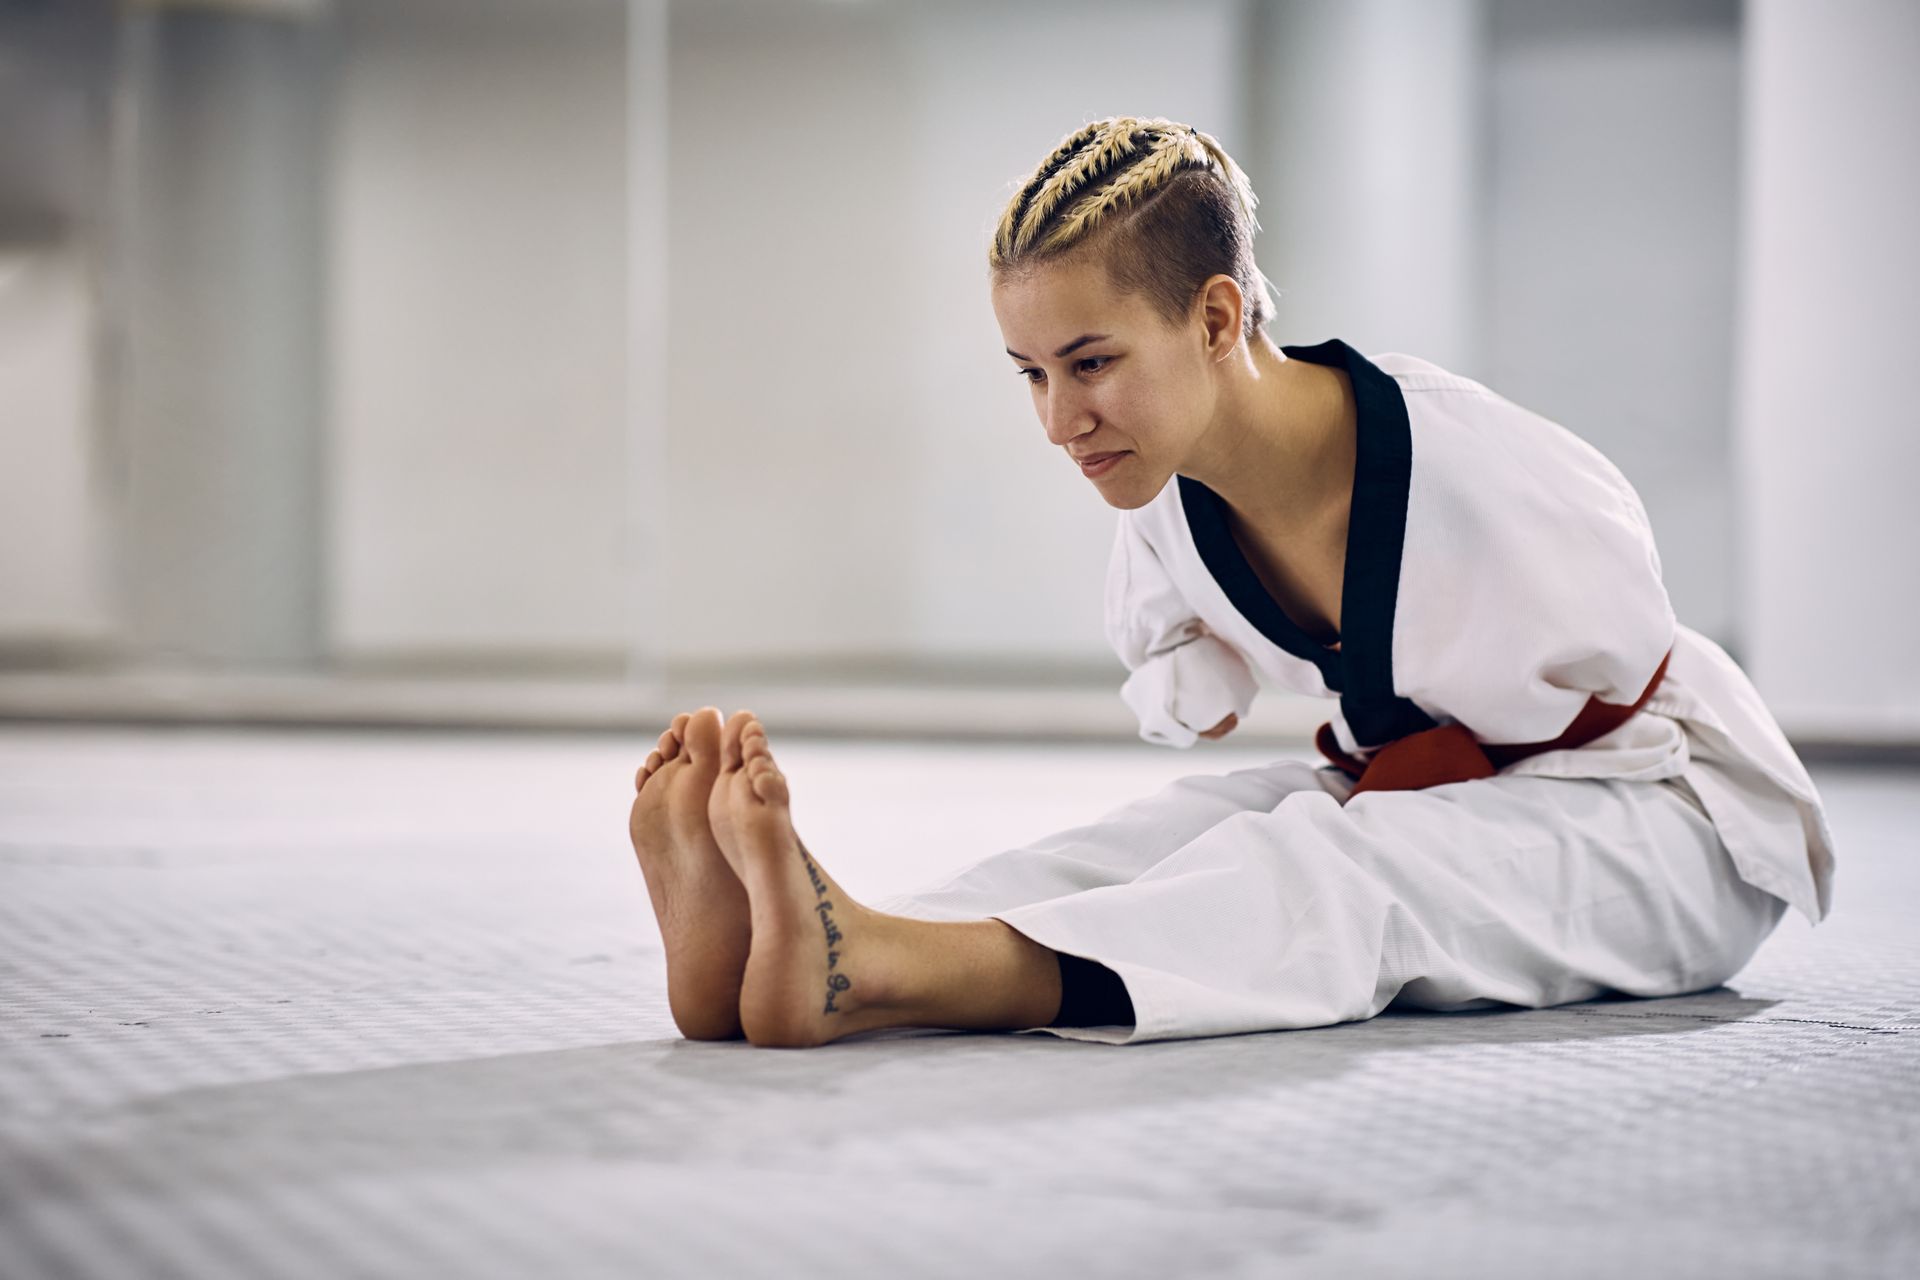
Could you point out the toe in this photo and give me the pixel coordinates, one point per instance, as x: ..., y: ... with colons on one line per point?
x: 702, y: 734
x: 753, y: 744
x: 669, y: 745
x: 646, y: 770
x: 769, y: 784
x: 730, y: 739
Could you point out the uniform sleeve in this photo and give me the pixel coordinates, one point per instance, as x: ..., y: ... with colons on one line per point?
x: 1530, y: 583
x: 1183, y: 679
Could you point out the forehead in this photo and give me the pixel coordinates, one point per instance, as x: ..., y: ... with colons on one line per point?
x: 1054, y: 302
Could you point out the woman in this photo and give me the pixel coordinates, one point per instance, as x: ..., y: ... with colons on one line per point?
x: 1540, y: 787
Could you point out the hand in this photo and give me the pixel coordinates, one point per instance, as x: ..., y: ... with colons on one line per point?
x: 1224, y: 728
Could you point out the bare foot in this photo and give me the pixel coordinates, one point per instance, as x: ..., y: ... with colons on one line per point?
x: 701, y: 904
x: 817, y: 968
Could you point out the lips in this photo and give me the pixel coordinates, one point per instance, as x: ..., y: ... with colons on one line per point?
x: 1088, y: 460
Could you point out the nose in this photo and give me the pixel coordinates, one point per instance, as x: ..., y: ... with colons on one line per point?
x: 1067, y: 415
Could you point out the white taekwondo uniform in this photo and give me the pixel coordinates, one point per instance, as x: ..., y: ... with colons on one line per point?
x: 1502, y: 590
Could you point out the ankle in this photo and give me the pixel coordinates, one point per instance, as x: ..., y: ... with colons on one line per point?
x: 971, y: 975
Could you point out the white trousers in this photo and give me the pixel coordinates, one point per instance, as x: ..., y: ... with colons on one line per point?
x: 1256, y: 901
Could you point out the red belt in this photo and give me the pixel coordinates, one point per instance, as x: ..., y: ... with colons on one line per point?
x: 1450, y: 753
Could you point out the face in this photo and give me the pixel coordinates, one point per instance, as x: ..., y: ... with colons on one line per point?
x: 1118, y: 390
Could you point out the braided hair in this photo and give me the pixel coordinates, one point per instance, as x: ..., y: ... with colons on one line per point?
x: 1165, y: 205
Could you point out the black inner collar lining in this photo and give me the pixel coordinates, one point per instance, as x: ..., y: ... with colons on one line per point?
x: 1361, y: 670
x: 1207, y: 521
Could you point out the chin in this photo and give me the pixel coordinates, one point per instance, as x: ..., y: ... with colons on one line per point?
x: 1129, y: 497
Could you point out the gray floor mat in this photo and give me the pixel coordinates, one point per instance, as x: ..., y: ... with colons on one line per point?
x: 381, y: 1005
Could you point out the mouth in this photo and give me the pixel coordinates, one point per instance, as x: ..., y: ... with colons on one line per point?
x: 1098, y: 464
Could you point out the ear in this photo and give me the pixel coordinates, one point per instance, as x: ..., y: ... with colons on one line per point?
x: 1220, y: 304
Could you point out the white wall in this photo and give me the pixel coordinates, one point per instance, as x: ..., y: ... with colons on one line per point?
x: 857, y: 472
x: 1614, y: 191
x: 220, y: 385
x: 1370, y: 165
x: 1010, y: 541
x: 1828, y: 435
x: 53, y: 571
x: 851, y: 471
x: 478, y: 330
x: 790, y: 408
x: 56, y: 478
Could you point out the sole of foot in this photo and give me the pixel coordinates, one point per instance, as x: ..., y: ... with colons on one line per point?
x: 817, y: 967
x: 701, y: 905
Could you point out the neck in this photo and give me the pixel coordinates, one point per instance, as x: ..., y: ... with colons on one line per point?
x: 1279, y: 450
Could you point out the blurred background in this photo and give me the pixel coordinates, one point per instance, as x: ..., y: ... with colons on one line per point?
x: 573, y: 362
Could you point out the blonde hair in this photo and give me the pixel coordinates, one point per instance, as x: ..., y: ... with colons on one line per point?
x: 1161, y: 204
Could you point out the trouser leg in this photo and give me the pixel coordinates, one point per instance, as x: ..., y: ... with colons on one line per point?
x: 1114, y: 848
x: 1528, y: 891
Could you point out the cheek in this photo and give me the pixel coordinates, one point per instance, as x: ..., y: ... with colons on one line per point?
x: 1159, y: 393
x: 1147, y: 410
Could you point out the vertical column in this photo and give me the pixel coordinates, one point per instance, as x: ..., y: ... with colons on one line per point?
x: 647, y: 223
x: 1826, y: 433
x: 55, y: 70
x: 219, y: 150
x: 1369, y: 160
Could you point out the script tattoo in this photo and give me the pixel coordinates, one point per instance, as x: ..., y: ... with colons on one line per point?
x: 836, y: 982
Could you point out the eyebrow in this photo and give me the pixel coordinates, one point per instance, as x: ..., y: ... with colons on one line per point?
x: 1067, y: 350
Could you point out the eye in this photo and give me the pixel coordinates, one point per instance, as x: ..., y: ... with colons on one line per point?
x: 1090, y: 364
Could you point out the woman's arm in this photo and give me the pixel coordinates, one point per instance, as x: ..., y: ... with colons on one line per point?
x: 1224, y: 728
x: 1185, y: 683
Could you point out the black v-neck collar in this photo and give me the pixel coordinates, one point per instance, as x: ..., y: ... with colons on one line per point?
x: 1361, y: 669
x: 1206, y: 513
